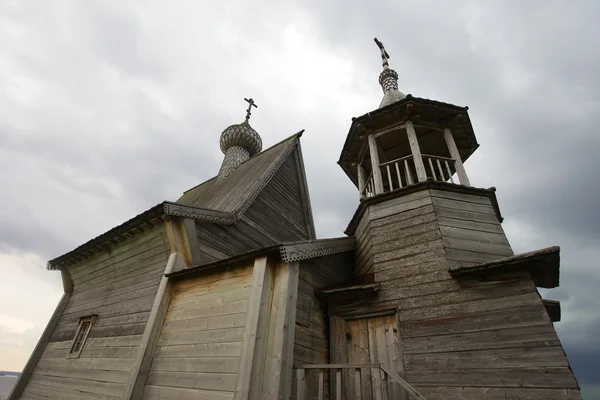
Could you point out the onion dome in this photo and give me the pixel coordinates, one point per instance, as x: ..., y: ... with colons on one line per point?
x: 238, y: 142
x: 241, y: 135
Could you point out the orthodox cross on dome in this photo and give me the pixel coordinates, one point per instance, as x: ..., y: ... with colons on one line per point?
x: 250, y: 105
x: 384, y: 54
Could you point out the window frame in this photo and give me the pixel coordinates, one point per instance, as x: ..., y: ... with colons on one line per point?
x: 85, y: 323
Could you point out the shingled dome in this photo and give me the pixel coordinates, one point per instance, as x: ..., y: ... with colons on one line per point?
x: 238, y: 143
x: 241, y: 135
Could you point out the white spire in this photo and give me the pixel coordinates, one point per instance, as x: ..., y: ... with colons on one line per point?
x: 388, y: 79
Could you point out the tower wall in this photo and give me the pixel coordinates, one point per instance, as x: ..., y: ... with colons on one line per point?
x: 490, y: 338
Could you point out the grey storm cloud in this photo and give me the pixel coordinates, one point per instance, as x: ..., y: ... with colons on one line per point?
x: 111, y: 107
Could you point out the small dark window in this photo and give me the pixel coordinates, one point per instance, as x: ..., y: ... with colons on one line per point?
x: 85, y: 324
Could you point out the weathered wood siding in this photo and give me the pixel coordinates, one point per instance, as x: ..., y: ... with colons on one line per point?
x: 311, y: 339
x: 119, y: 287
x: 461, y: 339
x: 470, y: 229
x: 279, y: 214
x: 198, y: 351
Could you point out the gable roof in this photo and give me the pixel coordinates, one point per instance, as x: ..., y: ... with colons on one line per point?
x: 210, y: 201
x: 236, y: 193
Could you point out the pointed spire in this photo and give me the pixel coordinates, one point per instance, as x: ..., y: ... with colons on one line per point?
x: 388, y: 79
x: 239, y: 143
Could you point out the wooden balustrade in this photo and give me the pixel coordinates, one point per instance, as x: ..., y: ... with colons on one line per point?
x: 401, y: 172
x: 380, y: 377
x: 439, y: 168
x: 369, y: 187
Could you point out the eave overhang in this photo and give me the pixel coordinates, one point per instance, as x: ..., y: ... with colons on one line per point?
x: 543, y: 266
x: 137, y: 225
x: 417, y: 187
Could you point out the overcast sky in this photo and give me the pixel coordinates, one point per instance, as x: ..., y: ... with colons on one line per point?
x: 109, y: 107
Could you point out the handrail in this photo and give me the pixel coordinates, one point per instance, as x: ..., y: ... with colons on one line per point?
x: 337, y: 366
x: 408, y: 157
x: 438, y: 157
x: 387, y: 374
x: 402, y: 382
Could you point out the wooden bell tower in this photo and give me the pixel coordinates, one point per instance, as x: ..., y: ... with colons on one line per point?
x: 434, y: 268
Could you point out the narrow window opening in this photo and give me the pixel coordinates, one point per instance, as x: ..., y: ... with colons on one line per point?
x: 83, y: 330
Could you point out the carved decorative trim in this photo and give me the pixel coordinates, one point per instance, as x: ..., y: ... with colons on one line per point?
x: 318, y: 248
x: 200, y: 214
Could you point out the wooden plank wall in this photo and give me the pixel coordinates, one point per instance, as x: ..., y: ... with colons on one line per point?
x: 461, y: 339
x: 198, y: 351
x: 470, y: 228
x: 280, y: 207
x: 119, y: 287
x: 311, y: 343
x: 364, y: 246
x: 276, y: 216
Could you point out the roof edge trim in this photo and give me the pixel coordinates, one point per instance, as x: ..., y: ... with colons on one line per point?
x: 197, y: 213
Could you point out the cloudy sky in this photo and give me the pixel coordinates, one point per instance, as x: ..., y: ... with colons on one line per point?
x: 109, y: 107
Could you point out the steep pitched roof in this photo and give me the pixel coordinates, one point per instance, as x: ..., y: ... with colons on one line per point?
x: 211, y: 201
x: 236, y: 193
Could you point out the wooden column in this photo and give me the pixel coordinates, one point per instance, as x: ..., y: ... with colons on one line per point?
x: 460, y: 169
x: 361, y: 179
x: 141, y: 367
x: 39, y: 348
x: 375, y: 164
x: 280, y: 347
x: 416, y: 152
x: 254, y: 344
x: 183, y: 239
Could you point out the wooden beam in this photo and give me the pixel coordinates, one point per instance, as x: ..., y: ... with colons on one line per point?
x: 280, y: 355
x: 193, y: 245
x: 416, y: 151
x: 141, y: 367
x: 254, y: 343
x: 361, y: 179
x: 66, y: 280
x: 375, y: 164
x: 39, y: 349
x: 181, y: 240
x: 460, y: 169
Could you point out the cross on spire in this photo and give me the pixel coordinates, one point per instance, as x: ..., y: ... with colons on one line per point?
x: 384, y: 54
x: 250, y: 105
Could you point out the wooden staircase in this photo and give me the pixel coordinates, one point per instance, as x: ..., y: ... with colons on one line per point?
x: 385, y: 384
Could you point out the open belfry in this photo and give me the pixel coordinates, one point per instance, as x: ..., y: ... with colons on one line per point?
x: 227, y: 293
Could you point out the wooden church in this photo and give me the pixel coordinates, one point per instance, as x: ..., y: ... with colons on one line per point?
x: 227, y: 293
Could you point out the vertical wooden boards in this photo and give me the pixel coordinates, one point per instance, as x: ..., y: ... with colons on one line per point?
x: 118, y: 286
x: 460, y: 169
x: 254, y: 343
x: 280, y: 354
x: 416, y: 151
x: 150, y: 337
x: 457, y: 333
x: 374, y: 152
x: 281, y: 207
x: 311, y: 332
x: 200, y: 343
x: 17, y: 390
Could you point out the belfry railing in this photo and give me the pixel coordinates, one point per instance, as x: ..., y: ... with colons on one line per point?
x: 373, y: 381
x: 401, y: 172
